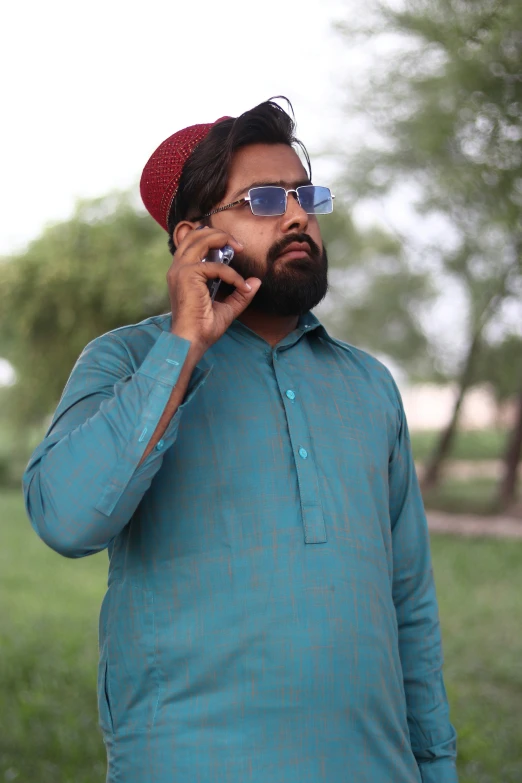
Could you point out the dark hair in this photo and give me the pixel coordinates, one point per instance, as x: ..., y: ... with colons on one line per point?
x: 204, y: 178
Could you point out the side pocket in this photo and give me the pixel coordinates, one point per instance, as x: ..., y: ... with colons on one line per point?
x: 131, y: 682
x: 104, y: 705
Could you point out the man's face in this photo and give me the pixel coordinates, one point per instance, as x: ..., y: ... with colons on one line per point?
x: 292, y: 282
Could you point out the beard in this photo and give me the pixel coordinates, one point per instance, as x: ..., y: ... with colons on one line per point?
x: 289, y: 288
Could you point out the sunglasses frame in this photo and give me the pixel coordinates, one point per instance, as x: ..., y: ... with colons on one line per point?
x: 247, y: 199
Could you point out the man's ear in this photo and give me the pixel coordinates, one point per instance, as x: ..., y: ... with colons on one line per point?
x: 182, y: 229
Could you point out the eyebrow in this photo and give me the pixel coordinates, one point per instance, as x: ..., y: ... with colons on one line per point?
x: 280, y: 183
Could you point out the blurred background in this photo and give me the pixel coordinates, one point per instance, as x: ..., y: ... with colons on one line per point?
x: 411, y: 111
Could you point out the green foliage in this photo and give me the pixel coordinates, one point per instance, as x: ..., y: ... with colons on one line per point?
x: 449, y: 105
x: 442, y: 116
x: 103, y: 268
x: 445, y: 118
x: 479, y: 591
x: 48, y: 652
x: 475, y: 496
x: 374, y: 294
x: 48, y: 655
x: 500, y: 364
x: 16, y: 442
x: 473, y: 445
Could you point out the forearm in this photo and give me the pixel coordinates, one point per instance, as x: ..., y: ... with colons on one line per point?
x: 441, y: 770
x: 433, y: 738
x: 86, y: 479
x: 175, y: 400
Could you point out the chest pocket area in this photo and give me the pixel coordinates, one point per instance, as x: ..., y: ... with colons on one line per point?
x: 128, y: 681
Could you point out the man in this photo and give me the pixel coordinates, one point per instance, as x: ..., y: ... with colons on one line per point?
x: 270, y: 614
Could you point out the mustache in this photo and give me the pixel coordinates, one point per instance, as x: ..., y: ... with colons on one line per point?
x: 279, y: 247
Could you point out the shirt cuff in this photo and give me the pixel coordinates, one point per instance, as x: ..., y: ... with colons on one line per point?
x: 161, y: 368
x: 439, y: 771
x: 162, y: 394
x: 165, y: 359
x: 163, y: 364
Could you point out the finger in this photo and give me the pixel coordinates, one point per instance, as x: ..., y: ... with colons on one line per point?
x: 240, y: 299
x: 212, y: 270
x: 206, y: 231
x: 218, y: 238
x: 196, y: 244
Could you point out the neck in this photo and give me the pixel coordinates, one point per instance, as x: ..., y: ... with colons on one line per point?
x: 271, y: 328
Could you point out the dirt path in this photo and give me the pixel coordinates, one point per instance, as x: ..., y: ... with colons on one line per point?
x: 468, y: 525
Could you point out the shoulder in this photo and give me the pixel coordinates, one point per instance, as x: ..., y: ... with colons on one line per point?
x: 129, y: 344
x: 361, y: 365
x: 368, y: 384
x: 152, y: 325
x: 109, y: 358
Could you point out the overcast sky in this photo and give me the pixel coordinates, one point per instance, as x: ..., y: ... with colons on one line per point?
x: 90, y: 89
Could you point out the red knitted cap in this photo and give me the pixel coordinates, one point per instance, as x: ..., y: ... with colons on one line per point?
x: 160, y: 179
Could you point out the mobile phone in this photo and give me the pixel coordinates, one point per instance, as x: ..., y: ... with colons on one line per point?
x: 222, y: 255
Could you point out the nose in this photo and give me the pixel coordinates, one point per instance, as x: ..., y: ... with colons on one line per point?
x: 295, y: 217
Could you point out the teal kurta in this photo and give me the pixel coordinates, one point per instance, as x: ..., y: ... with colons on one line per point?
x: 270, y: 613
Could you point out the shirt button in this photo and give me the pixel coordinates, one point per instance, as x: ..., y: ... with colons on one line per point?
x: 160, y: 444
x: 290, y: 394
x: 303, y: 453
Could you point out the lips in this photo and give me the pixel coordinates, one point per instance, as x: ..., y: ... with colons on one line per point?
x: 296, y: 250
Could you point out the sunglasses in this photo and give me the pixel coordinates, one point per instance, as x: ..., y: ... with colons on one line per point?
x: 272, y: 200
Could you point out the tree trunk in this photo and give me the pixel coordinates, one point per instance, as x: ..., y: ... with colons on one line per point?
x: 508, y: 484
x: 433, y: 469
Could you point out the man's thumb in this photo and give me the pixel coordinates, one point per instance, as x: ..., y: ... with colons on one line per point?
x: 239, y: 300
x: 255, y: 282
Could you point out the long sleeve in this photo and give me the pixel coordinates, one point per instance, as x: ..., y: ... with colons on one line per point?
x: 433, y: 738
x: 84, y: 481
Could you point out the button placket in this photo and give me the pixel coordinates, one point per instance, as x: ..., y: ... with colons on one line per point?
x: 311, y: 510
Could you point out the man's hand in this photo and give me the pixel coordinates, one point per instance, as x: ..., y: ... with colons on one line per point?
x: 194, y: 316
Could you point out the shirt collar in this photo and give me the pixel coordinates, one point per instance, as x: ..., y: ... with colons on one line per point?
x: 307, y: 324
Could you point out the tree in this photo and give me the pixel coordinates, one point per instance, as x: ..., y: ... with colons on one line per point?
x: 508, y: 483
x: 442, y: 115
x: 103, y: 268
x: 374, y: 295
x: 500, y: 364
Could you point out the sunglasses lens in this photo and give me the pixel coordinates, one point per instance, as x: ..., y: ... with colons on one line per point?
x: 268, y: 201
x: 315, y: 200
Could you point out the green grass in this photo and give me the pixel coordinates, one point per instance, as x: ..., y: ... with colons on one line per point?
x: 48, y: 656
x: 48, y: 652
x: 459, y: 496
x: 470, y: 445
x: 479, y: 585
